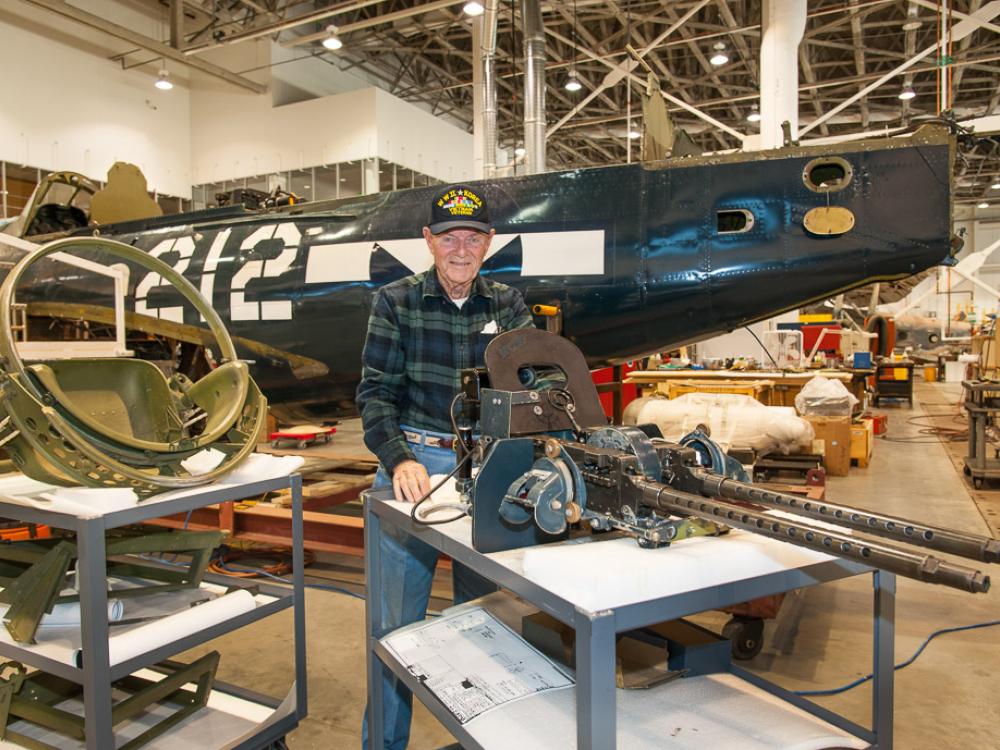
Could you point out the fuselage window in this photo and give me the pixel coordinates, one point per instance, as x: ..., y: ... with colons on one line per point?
x: 827, y: 174
x: 733, y: 221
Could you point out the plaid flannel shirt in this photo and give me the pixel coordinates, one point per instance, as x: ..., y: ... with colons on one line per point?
x: 418, y: 342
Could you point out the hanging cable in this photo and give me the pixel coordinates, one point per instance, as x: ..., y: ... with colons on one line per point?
x: 749, y: 330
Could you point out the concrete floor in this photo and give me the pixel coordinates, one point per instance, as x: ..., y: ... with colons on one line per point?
x: 821, y: 638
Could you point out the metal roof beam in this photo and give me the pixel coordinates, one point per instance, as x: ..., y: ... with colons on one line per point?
x: 959, y: 31
x: 139, y: 40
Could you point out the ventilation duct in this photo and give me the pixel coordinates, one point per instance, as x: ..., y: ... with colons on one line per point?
x: 534, y: 86
x: 489, y: 51
x: 784, y: 22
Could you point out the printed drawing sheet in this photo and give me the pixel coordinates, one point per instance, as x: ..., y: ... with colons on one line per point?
x: 472, y: 662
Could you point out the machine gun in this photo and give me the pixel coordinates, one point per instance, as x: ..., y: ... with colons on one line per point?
x: 548, y: 459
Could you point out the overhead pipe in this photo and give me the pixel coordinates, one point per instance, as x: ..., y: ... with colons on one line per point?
x: 784, y: 23
x: 489, y: 93
x: 534, y: 86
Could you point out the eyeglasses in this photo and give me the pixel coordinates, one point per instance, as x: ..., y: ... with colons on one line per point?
x: 474, y: 242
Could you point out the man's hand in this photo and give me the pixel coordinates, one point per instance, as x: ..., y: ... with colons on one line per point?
x: 410, y: 481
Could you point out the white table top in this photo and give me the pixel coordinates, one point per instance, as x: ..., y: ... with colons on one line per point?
x: 91, y: 502
x: 595, y: 573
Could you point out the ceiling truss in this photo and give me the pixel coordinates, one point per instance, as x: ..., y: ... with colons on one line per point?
x: 423, y: 52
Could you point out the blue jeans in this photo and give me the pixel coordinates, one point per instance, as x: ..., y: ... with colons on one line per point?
x: 405, y: 589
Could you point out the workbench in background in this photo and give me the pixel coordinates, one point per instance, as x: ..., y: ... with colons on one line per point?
x: 772, y: 388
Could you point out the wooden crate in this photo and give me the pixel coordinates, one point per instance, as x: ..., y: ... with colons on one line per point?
x: 862, y: 442
x: 753, y: 389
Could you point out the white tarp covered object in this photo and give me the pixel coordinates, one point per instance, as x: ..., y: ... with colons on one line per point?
x: 734, y: 421
x: 824, y: 397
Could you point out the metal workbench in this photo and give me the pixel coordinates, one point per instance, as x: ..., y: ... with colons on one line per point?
x: 276, y: 716
x: 598, y: 705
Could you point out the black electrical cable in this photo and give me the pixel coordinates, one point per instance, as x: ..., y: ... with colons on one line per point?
x: 431, y: 491
x: 459, y: 465
x: 749, y: 330
x: 901, y: 665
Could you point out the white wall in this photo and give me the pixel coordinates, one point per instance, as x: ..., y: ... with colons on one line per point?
x: 980, y: 235
x: 297, y: 75
x: 741, y: 343
x: 237, y: 135
x: 981, y: 230
x: 417, y: 139
x: 66, y: 106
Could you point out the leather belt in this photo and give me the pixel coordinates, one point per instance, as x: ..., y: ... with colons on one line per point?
x: 420, y: 438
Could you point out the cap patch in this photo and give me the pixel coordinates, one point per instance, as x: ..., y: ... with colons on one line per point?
x: 460, y: 202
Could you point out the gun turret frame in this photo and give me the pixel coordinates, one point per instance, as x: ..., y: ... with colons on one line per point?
x: 119, y: 422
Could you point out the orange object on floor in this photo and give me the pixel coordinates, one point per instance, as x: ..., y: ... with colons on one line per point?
x: 880, y: 423
x: 22, y: 533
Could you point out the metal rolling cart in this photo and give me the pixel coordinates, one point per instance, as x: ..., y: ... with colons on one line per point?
x: 893, y: 380
x: 982, y: 403
x: 603, y: 715
x: 97, y: 672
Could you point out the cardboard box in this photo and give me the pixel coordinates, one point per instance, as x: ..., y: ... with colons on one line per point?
x: 835, y: 432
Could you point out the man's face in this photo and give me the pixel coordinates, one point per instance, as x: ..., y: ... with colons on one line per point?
x: 458, y: 254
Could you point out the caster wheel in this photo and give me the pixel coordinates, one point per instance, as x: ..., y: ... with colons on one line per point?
x: 301, y: 444
x: 746, y: 635
x: 967, y: 471
x: 274, y: 443
x: 977, y: 482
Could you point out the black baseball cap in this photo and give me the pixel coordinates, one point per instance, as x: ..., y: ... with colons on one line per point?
x: 459, y: 207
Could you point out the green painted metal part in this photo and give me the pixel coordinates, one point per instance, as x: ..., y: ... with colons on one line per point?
x: 35, y: 698
x: 33, y: 573
x: 120, y: 422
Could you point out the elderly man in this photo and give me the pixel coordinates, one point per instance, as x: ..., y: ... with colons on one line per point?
x: 423, y: 331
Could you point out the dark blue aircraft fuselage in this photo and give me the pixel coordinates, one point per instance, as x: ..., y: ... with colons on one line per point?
x: 639, y: 258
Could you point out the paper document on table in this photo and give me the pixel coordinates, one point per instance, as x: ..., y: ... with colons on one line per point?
x: 472, y: 662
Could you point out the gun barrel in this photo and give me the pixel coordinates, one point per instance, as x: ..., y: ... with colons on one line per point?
x: 921, y: 567
x: 972, y: 546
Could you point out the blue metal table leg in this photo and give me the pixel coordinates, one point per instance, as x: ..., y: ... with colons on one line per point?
x: 92, y: 562
x: 299, y: 585
x: 596, y: 713
x: 884, y: 654
x: 373, y: 619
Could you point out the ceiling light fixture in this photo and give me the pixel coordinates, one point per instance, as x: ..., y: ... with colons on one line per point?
x: 995, y: 185
x: 633, y: 133
x: 163, y: 80
x: 720, y: 57
x: 912, y: 22
x: 907, y: 93
x: 572, y: 82
x: 754, y: 115
x: 982, y: 204
x: 473, y: 8
x: 519, y: 152
x: 332, y: 41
